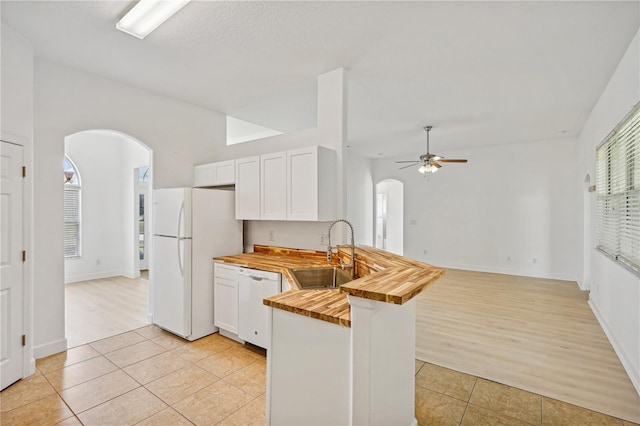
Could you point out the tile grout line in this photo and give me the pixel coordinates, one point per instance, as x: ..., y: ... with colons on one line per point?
x: 103, y: 355
x: 466, y: 407
x: 73, y: 413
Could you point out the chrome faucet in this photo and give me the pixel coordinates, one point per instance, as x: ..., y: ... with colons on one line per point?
x: 353, y: 249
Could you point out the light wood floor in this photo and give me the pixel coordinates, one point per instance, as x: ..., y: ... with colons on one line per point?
x: 102, y: 308
x: 534, y: 334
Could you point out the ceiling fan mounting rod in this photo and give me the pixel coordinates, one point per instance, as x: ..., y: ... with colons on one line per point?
x: 427, y: 129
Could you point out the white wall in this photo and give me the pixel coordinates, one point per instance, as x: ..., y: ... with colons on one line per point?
x: 69, y: 101
x: 515, y: 201
x: 615, y: 292
x: 16, y: 126
x: 360, y: 192
x: 331, y: 133
x: 395, y: 214
x: 304, y: 235
x: 105, y: 163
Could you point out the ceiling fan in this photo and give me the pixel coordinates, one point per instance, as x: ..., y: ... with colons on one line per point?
x: 429, y: 162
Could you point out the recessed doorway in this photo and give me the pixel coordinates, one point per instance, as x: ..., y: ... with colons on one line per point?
x: 390, y: 216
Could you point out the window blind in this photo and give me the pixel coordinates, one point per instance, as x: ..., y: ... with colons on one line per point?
x: 71, y: 221
x: 618, y: 193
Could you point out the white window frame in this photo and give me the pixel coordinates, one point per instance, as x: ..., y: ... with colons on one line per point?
x: 76, y: 189
x: 618, y: 193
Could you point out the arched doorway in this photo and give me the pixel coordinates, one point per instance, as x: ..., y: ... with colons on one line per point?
x: 104, y: 293
x: 390, y: 216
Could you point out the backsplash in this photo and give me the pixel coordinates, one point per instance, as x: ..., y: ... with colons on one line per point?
x: 304, y: 235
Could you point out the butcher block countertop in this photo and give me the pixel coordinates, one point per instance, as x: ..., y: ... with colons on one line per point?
x: 383, y: 276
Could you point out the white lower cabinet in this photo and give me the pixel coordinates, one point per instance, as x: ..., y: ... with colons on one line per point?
x: 225, y: 293
x: 253, y: 287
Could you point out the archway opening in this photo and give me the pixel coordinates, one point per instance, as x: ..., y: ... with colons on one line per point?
x: 390, y: 216
x: 105, y: 293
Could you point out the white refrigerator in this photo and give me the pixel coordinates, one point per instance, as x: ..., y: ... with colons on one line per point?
x: 191, y: 226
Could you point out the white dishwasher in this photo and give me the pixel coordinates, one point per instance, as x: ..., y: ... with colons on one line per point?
x: 253, y: 286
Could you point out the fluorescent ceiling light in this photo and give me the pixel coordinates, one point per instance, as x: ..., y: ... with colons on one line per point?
x: 147, y: 15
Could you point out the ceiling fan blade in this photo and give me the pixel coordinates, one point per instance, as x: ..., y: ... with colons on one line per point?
x: 411, y: 161
x: 436, y: 164
x: 410, y: 165
x: 445, y: 160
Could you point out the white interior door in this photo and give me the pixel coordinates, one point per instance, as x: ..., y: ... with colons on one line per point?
x: 11, y: 327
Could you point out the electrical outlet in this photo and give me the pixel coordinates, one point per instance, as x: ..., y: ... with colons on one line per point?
x: 323, y: 239
x: 508, y: 259
x: 424, y: 251
x: 413, y: 222
x: 98, y: 262
x: 534, y: 260
x: 272, y: 235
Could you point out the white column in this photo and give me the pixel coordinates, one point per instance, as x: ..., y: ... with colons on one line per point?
x: 382, y: 362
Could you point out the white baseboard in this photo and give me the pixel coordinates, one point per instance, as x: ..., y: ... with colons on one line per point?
x: 50, y: 348
x: 632, y: 372
x: 99, y: 275
x: 506, y: 271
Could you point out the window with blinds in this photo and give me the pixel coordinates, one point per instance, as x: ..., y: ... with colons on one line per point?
x: 618, y: 193
x: 71, y: 210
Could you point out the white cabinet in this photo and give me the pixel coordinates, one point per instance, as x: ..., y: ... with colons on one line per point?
x: 214, y: 174
x: 248, y: 188
x: 253, y: 287
x: 273, y: 186
x: 289, y: 185
x: 225, y: 302
x: 311, y: 184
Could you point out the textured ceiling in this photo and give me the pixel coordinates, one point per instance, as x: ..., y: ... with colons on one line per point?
x: 483, y: 73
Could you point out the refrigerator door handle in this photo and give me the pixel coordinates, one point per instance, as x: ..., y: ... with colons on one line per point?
x: 178, y: 239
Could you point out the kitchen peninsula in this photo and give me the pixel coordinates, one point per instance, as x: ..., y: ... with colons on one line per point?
x: 342, y: 356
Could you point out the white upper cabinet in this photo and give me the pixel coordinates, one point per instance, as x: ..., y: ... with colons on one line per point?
x: 248, y: 188
x: 273, y: 186
x: 215, y: 174
x: 289, y: 185
x: 311, y: 184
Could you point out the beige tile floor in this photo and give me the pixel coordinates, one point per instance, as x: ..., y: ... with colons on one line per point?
x: 150, y: 377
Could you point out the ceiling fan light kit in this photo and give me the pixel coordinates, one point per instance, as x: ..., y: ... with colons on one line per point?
x: 430, y: 163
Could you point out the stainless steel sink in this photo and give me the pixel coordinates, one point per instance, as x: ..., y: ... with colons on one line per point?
x: 318, y: 278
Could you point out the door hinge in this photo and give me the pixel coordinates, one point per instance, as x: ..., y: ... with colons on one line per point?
x: 24, y: 255
x: 24, y: 340
x: 24, y: 171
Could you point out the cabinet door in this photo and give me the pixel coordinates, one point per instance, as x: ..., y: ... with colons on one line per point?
x: 248, y: 188
x: 273, y: 186
x: 203, y: 175
x: 224, y: 172
x: 302, y: 184
x: 226, y: 304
